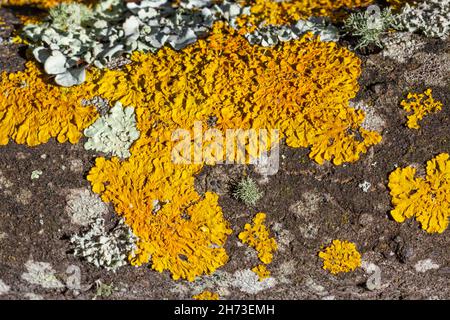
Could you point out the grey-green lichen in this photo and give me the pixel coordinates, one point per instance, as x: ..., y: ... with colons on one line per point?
x: 42, y: 274
x: 370, y: 25
x: 268, y: 36
x: 114, y: 132
x: 68, y: 16
x: 247, y: 191
x: 104, y: 248
x: 35, y: 174
x: 431, y: 17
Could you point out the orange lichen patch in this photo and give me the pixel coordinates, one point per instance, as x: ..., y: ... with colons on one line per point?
x: 427, y: 199
x: 420, y: 105
x: 32, y: 111
x: 302, y: 88
x: 340, y: 256
x: 206, y: 295
x: 261, y: 271
x: 258, y: 237
x: 31, y: 19
x: 42, y: 3
x: 286, y: 12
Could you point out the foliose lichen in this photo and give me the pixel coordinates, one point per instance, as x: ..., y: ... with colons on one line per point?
x: 425, y: 198
x: 340, y: 256
x: 431, y: 18
x: 258, y: 237
x: 104, y: 248
x: 114, y: 132
x: 420, y: 105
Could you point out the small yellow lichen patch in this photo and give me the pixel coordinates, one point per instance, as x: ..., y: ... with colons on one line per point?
x: 206, y: 295
x: 340, y: 256
x: 32, y: 111
x: 420, y: 105
x: 257, y: 236
x: 427, y: 199
x: 261, y: 271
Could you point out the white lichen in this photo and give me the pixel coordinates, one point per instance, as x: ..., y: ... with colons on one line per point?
x: 219, y: 281
x: 373, y: 121
x: 268, y: 35
x: 35, y: 174
x: 41, y: 274
x: 5, y: 183
x: 247, y: 281
x: 84, y: 207
x: 309, y: 230
x: 24, y: 197
x: 365, y: 186
x: 33, y: 296
x: 431, y: 17
x: 113, y: 133
x: 400, y: 46
x: 425, y: 265
x: 4, y: 288
x: 104, y: 248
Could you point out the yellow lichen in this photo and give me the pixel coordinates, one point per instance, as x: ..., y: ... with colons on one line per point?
x: 340, y: 256
x: 286, y: 12
x: 257, y: 236
x: 41, y: 3
x: 420, y: 105
x: 31, y: 19
x: 261, y: 271
x: 397, y: 4
x: 427, y: 199
x: 206, y: 295
x: 32, y: 111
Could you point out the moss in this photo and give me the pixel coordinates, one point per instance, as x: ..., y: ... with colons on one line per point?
x: 247, y: 191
